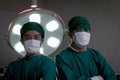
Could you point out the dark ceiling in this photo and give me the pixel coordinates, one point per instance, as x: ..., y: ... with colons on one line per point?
x: 16, y: 5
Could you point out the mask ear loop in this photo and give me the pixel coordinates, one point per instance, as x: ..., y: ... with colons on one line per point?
x: 74, y: 37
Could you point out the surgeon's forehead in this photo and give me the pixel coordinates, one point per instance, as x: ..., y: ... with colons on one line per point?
x: 79, y: 30
x: 32, y: 33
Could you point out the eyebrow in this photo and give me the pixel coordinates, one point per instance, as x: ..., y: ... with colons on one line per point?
x: 33, y: 35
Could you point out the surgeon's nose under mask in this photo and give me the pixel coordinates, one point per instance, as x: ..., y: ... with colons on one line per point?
x: 32, y: 45
x: 82, y: 38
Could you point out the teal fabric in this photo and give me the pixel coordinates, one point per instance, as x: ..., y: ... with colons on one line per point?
x: 32, y: 26
x: 31, y: 68
x: 72, y: 65
x: 78, y: 22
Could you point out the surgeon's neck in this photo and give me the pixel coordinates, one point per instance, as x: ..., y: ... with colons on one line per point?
x: 31, y: 54
x: 78, y: 48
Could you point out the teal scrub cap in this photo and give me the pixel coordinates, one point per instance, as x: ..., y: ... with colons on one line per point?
x: 78, y: 22
x: 32, y: 26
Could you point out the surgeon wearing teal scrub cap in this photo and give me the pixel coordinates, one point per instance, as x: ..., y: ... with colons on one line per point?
x: 34, y: 66
x: 79, y: 62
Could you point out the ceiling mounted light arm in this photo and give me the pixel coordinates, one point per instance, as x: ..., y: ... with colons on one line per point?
x: 33, y: 3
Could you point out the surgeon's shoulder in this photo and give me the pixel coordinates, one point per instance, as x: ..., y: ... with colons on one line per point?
x: 92, y: 49
x: 13, y: 63
x: 94, y: 52
x: 63, y: 55
x: 47, y: 58
x: 63, y: 52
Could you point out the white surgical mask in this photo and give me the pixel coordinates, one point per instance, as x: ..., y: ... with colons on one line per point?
x: 82, y: 38
x: 32, y: 45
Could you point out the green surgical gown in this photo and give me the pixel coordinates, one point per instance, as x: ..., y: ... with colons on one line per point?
x: 72, y: 65
x: 31, y: 68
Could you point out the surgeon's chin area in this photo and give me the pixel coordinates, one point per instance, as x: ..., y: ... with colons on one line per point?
x: 30, y: 54
x: 78, y: 48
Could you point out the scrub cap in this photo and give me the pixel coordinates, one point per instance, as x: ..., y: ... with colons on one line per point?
x: 32, y: 26
x: 78, y: 22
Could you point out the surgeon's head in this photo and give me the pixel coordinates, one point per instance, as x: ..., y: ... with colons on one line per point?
x: 32, y: 36
x: 79, y: 30
x: 78, y: 23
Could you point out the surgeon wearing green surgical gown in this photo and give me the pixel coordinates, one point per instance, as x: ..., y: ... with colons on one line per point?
x: 34, y: 66
x: 78, y: 62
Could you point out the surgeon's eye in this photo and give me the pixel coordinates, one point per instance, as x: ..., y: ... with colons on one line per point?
x: 86, y: 30
x: 37, y: 38
x: 27, y: 37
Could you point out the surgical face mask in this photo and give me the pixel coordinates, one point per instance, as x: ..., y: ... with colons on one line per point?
x: 82, y: 38
x: 32, y: 45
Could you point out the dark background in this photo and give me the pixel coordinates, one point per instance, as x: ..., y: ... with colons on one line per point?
x: 104, y: 17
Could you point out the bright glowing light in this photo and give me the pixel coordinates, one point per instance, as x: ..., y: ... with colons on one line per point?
x: 33, y: 3
x: 53, y: 42
x: 41, y: 50
x: 33, y: 6
x: 35, y: 18
x: 52, y: 26
x: 16, y: 29
x: 19, y: 47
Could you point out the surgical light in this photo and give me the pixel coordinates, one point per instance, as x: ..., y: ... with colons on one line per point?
x: 52, y: 26
x: 16, y: 29
x: 35, y: 18
x: 51, y: 22
x: 55, y: 41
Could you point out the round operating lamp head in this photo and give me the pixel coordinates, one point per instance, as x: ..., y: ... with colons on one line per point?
x: 51, y: 22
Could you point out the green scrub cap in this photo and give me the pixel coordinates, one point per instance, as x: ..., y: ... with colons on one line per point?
x: 32, y: 26
x: 78, y: 22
